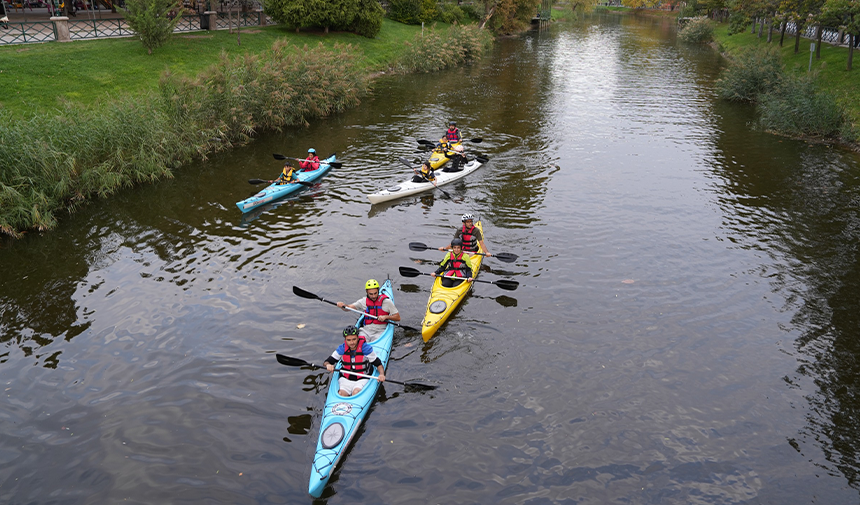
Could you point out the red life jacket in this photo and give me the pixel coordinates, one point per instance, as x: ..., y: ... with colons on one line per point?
x: 470, y: 240
x: 374, y: 309
x: 354, y: 361
x: 456, y: 266
x: 452, y: 135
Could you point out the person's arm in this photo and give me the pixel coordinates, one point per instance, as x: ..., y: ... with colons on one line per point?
x: 332, y: 360
x: 457, y: 234
x: 484, y: 248
x: 388, y: 306
x: 441, y: 266
x: 374, y: 361
x: 357, y: 305
x: 471, y: 267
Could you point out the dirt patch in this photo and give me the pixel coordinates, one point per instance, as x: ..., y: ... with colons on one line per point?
x: 22, y: 49
x: 196, y: 36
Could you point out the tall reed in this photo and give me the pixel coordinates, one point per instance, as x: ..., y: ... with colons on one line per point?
x: 52, y: 162
x: 436, y: 50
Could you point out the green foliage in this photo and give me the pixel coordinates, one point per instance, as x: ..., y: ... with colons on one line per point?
x: 151, y: 21
x: 61, y: 159
x: 435, y: 51
x: 452, y: 14
x: 796, y: 107
x: 361, y: 16
x: 697, y: 30
x: 751, y: 73
x: 414, y: 12
x: 368, y: 20
x: 513, y: 16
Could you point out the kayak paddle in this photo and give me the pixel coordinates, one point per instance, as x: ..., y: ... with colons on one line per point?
x: 261, y: 181
x: 502, y: 283
x: 333, y: 164
x: 431, y: 143
x: 307, y: 294
x: 290, y: 361
x: 506, y: 257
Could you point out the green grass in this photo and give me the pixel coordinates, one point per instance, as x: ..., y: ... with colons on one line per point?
x: 833, y: 76
x: 39, y: 76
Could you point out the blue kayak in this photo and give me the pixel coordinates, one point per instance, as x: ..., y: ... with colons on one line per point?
x: 276, y: 191
x: 343, y: 415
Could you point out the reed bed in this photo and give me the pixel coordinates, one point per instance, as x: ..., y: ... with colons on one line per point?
x: 435, y: 50
x: 58, y: 161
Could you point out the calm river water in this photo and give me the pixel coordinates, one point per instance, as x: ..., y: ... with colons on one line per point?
x: 685, y: 330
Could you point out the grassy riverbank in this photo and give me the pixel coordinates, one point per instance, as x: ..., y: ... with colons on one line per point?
x: 37, y: 77
x: 89, y: 118
x: 832, y: 74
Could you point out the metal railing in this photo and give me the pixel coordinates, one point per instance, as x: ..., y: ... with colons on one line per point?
x: 227, y: 19
x: 24, y: 33
x: 95, y: 28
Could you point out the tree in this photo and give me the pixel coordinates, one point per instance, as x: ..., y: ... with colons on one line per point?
x: 152, y: 21
x: 844, y: 13
x: 509, y: 16
x: 360, y: 16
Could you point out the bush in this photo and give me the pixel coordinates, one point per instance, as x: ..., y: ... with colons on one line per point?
x: 797, y: 108
x: 697, y: 30
x: 151, y: 21
x: 368, y: 21
x: 435, y: 51
x: 413, y: 12
x: 750, y: 74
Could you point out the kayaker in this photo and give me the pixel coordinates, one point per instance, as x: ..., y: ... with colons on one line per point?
x: 375, y: 304
x: 470, y: 235
x: 457, y: 157
x: 312, y: 162
x: 426, y: 174
x: 452, y: 135
x: 357, y: 356
x: 457, y: 264
x: 288, y: 176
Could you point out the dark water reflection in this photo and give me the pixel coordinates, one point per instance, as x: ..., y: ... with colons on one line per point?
x: 685, y: 330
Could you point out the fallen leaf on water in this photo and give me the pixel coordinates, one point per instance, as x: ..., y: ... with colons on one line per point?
x: 300, y: 325
x: 628, y: 281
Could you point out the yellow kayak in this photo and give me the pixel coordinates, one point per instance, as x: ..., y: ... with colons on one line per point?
x: 439, y: 157
x: 444, y: 300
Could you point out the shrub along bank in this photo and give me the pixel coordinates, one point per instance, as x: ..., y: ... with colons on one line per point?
x: 790, y: 99
x: 58, y: 158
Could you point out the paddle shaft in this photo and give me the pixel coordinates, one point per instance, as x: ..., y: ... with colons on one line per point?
x: 504, y: 284
x: 301, y: 292
x: 506, y: 257
x: 419, y: 174
x: 290, y: 361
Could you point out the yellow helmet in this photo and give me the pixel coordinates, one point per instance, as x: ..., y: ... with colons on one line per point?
x: 371, y: 284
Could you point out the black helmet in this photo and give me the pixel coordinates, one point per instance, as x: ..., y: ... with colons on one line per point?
x: 457, y: 241
x: 350, y: 330
x: 452, y: 123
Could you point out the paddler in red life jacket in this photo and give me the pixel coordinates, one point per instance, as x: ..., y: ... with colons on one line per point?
x: 312, y: 162
x: 377, y: 305
x: 456, y: 264
x: 357, y: 356
x: 470, y: 235
x: 452, y: 134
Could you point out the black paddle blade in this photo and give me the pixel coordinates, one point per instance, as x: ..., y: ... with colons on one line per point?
x: 305, y: 294
x: 305, y: 183
x: 279, y: 157
x: 482, y: 159
x: 335, y: 164
x: 508, y: 285
x: 506, y: 257
x: 426, y: 142
x: 289, y: 361
x: 417, y: 246
x: 411, y: 386
x: 257, y: 181
x: 477, y: 141
x: 409, y: 272
x: 404, y: 161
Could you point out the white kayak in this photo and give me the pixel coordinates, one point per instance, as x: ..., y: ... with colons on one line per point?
x: 408, y: 187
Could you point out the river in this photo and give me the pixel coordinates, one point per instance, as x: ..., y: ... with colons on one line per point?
x: 685, y: 329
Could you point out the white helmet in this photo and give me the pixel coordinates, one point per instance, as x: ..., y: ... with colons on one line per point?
x: 468, y: 217
x: 459, y: 149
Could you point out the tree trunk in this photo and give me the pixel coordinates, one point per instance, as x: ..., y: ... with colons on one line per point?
x: 761, y: 27
x: 770, y: 31
x: 851, y: 50
x: 487, y: 19
x: 797, y: 38
x: 818, y: 31
x: 782, y: 32
x: 753, y: 27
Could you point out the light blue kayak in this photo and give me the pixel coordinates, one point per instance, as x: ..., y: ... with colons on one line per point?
x: 276, y: 191
x: 343, y: 415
